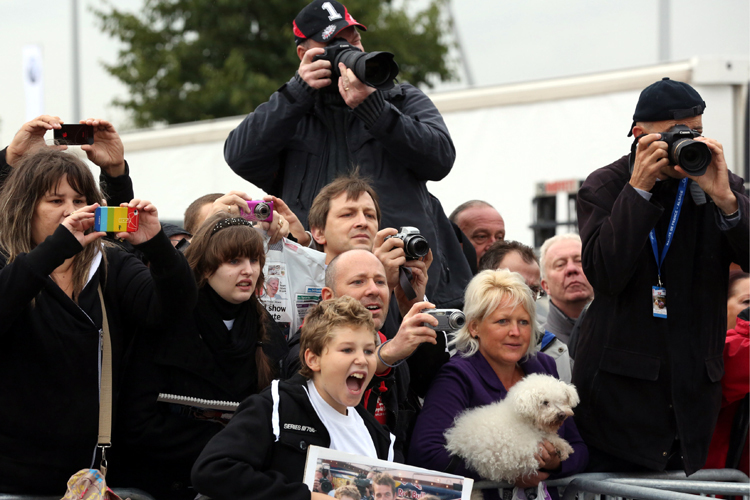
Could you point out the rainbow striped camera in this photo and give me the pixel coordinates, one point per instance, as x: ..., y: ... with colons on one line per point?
x: 116, y: 219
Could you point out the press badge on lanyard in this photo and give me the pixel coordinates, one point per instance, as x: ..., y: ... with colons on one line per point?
x: 659, y: 292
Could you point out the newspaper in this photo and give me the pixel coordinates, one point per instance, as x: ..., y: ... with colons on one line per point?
x: 294, y: 276
x: 334, y: 469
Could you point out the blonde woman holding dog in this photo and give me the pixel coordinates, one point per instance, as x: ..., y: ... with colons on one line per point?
x: 496, y: 349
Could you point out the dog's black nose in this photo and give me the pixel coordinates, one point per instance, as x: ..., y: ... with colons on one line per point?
x: 560, y: 417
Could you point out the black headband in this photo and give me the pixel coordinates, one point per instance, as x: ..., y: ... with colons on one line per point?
x: 233, y: 221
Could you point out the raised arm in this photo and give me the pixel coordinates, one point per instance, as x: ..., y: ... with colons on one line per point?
x: 253, y: 149
x: 26, y: 276
x: 108, y: 153
x: 614, y: 222
x: 164, y: 289
x: 408, y: 125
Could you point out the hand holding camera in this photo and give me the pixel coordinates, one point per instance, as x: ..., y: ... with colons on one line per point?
x: 390, y: 251
x: 105, y: 147
x: 81, y: 221
x: 715, y: 180
x: 31, y: 136
x: 654, y: 152
x: 148, y: 222
x: 352, y: 90
x: 296, y: 228
x: 650, y: 158
x: 417, y: 327
x: 234, y: 202
x: 315, y: 72
x: 273, y: 223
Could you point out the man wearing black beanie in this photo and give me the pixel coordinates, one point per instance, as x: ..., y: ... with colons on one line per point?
x: 658, y: 239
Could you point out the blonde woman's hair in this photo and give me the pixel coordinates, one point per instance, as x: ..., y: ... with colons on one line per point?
x: 488, y: 291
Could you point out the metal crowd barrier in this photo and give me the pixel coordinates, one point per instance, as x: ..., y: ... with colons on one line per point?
x: 671, y: 485
x: 124, y: 493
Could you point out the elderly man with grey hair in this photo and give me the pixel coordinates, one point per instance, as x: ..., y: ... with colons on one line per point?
x: 568, y: 288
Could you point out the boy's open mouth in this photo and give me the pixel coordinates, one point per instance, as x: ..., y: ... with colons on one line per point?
x: 355, y: 381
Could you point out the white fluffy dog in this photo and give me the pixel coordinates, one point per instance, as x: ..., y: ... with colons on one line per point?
x: 499, y: 440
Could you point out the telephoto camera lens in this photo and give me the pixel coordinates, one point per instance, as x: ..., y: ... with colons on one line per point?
x: 693, y: 156
x: 377, y: 69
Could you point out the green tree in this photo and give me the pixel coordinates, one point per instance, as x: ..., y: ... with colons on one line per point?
x: 189, y: 60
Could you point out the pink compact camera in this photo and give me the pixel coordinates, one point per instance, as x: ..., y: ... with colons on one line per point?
x: 259, y: 211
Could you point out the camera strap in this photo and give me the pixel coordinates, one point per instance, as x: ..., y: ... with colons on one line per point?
x: 670, y: 230
x: 404, y: 279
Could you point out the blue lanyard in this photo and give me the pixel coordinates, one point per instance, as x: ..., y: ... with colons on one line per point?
x: 670, y: 231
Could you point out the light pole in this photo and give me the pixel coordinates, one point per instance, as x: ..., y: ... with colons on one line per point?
x: 76, y: 93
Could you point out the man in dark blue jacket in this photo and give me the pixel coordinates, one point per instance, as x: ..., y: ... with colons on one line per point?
x: 316, y: 127
x: 658, y: 240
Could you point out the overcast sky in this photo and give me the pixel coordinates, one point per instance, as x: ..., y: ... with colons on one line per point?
x: 504, y: 41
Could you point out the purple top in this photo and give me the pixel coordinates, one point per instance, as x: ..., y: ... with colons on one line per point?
x: 464, y: 383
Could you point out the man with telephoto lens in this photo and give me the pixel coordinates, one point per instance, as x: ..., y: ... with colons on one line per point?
x: 660, y: 228
x: 326, y: 121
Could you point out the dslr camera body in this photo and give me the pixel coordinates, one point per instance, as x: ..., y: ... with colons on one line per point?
x: 258, y: 211
x: 376, y: 69
x: 693, y: 156
x: 415, y: 245
x: 449, y: 320
x: 325, y: 482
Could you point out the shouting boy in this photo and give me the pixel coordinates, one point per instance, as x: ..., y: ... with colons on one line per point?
x: 262, y: 452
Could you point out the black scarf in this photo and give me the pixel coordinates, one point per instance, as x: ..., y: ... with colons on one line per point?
x: 234, y: 350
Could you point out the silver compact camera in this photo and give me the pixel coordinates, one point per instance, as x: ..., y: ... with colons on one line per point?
x: 449, y: 320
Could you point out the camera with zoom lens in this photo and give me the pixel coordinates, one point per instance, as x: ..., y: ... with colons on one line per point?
x: 415, y: 245
x: 376, y: 69
x: 449, y: 320
x: 259, y: 211
x: 693, y: 156
x: 325, y: 485
x: 325, y: 481
x: 362, y: 483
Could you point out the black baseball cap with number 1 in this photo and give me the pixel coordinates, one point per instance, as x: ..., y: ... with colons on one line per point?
x: 322, y: 20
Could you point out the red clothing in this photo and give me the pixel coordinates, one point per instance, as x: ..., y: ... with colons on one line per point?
x: 380, y: 411
x: 734, y: 386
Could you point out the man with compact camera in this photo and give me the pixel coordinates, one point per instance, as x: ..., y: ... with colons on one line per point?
x: 327, y: 121
x: 660, y: 228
